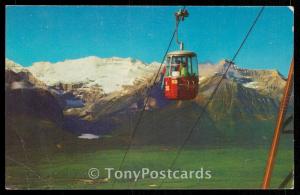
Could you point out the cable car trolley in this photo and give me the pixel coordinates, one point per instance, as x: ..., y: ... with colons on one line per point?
x: 180, y: 81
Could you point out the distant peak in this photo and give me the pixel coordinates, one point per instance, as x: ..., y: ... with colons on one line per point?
x: 11, y: 65
x: 276, y: 72
x: 222, y: 62
x: 9, y: 62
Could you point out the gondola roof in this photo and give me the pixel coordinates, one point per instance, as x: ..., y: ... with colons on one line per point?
x: 181, y: 53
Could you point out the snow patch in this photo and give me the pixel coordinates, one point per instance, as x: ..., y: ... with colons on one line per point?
x: 88, y: 136
x: 252, y: 85
x: 56, y: 91
x: 18, y: 85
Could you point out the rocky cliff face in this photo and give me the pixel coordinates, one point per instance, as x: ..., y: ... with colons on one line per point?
x: 265, y: 82
x: 26, y: 95
x: 33, y: 116
x: 16, y: 73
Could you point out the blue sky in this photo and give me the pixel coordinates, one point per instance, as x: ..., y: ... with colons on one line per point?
x: 56, y: 33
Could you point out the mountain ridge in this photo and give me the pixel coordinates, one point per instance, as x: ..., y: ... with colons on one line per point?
x: 88, y: 109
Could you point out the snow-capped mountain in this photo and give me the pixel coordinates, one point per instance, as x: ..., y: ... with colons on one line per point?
x: 11, y: 65
x: 18, y: 77
x: 111, y: 74
x: 97, y: 96
x: 266, y: 82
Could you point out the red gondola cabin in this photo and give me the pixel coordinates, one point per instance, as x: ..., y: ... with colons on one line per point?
x: 181, y: 75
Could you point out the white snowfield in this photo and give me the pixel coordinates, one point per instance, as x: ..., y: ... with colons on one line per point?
x: 110, y: 73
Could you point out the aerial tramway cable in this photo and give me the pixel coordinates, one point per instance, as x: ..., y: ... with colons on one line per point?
x: 147, y: 99
x: 213, y: 93
x: 200, y: 116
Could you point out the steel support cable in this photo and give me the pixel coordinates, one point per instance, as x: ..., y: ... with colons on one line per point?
x: 213, y: 93
x: 145, y: 104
